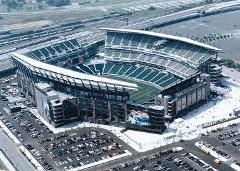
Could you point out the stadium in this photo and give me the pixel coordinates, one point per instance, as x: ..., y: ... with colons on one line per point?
x: 138, y: 79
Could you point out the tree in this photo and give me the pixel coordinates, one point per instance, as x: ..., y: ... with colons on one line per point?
x: 11, y: 4
x: 58, y: 3
x: 50, y: 2
x: 40, y: 6
x: 209, y: 1
x: 228, y: 62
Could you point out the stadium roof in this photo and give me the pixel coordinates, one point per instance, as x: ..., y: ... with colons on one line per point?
x: 86, y: 78
x: 166, y: 36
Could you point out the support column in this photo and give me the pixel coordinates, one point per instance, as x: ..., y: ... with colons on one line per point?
x: 64, y: 116
x: 125, y: 112
x: 78, y: 108
x: 197, y: 95
x: 176, y: 107
x: 94, y: 108
x: 187, y: 101
x: 109, y: 111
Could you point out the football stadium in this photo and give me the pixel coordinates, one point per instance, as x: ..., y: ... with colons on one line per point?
x: 135, y: 78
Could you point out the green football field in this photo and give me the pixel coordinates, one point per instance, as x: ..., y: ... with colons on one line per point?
x: 144, y: 93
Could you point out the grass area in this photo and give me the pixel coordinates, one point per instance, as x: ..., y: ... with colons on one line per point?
x: 230, y: 64
x: 52, y: 17
x: 144, y: 93
x: 52, y: 14
x: 29, y: 7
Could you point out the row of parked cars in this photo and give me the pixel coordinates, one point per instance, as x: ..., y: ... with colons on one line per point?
x: 217, y: 122
x: 27, y: 126
x: 55, y: 137
x: 221, y: 153
x: 92, y: 160
x: 228, y: 135
x: 180, y: 163
x: 13, y: 129
x: 81, y: 154
x: 138, y: 163
x: 41, y: 124
x: 236, y: 142
x: 159, y: 166
x: 93, y: 138
x: 202, y: 164
x: 70, y: 150
x: 37, y: 155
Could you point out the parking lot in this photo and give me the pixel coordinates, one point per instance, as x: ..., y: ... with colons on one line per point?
x: 68, y: 150
x: 64, y: 150
x: 173, y: 159
x: 76, y: 149
x: 226, y: 141
x: 223, y: 141
x: 28, y: 124
x: 85, y: 146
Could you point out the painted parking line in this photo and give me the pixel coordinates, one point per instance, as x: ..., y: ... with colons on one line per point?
x: 141, y: 7
x: 127, y: 9
x: 157, y: 5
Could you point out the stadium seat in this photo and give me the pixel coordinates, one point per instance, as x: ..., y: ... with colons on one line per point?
x: 157, y: 77
x: 75, y: 43
x: 51, y: 50
x: 99, y: 68
x: 63, y: 47
x: 92, y: 68
x: 143, y: 74
x: 151, y: 75
x: 115, y: 69
x: 117, y: 39
x: 86, y: 69
x: 130, y: 70
x: 124, y: 69
x: 125, y: 42
x: 58, y: 49
x: 136, y: 39
x: 107, y: 68
x: 136, y: 72
x: 110, y: 36
x: 168, y: 81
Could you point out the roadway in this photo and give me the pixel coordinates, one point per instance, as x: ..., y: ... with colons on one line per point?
x: 127, y: 6
x: 12, y: 151
x: 138, y: 20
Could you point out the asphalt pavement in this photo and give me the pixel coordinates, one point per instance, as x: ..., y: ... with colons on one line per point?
x: 12, y: 151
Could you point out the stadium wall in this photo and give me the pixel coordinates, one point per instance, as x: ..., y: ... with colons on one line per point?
x: 99, y: 106
x: 184, y: 96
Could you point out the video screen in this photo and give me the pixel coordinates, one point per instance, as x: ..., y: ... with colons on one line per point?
x: 138, y: 118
